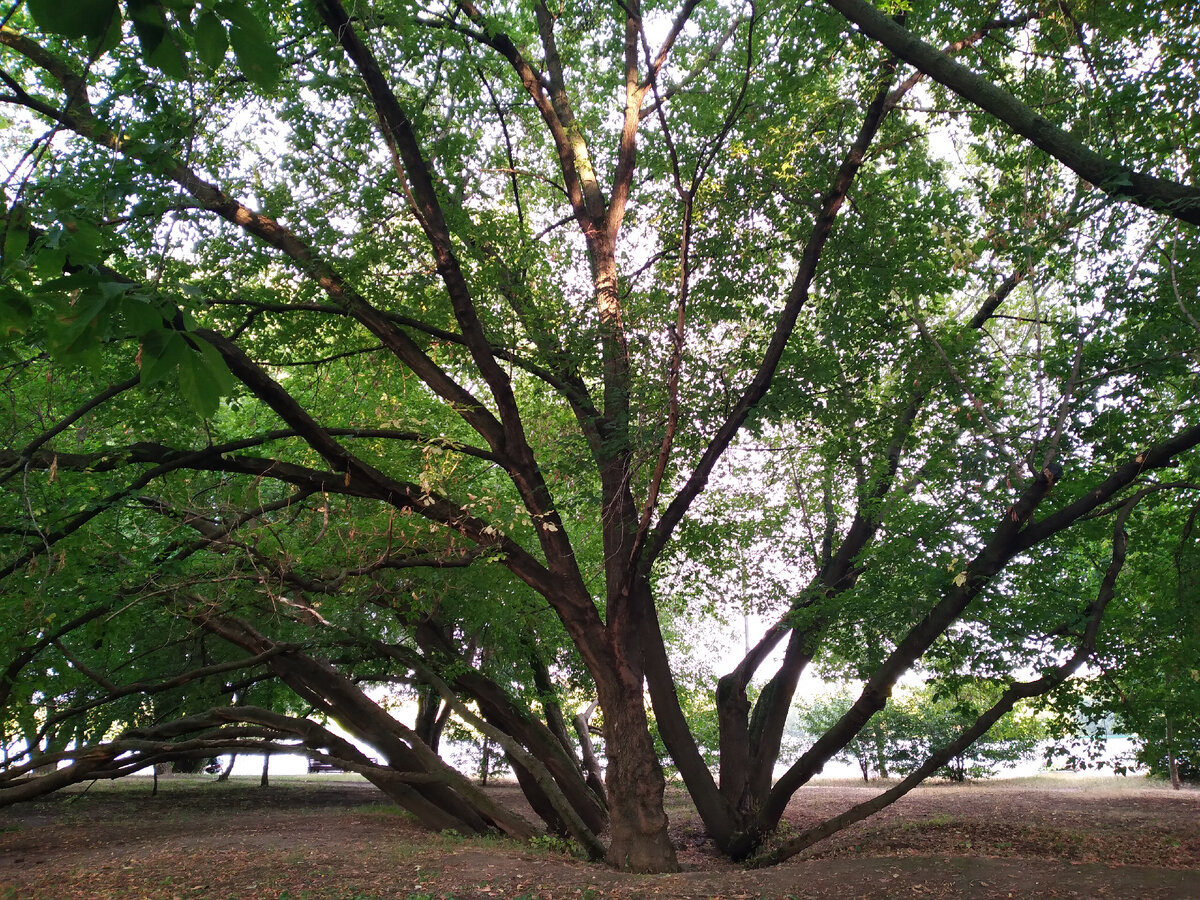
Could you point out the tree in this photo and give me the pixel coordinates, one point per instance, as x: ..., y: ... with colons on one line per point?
x: 469, y: 305
x: 902, y: 735
x: 870, y: 748
x: 1147, y: 683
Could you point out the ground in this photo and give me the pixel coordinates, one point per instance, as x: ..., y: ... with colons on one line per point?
x: 334, y: 838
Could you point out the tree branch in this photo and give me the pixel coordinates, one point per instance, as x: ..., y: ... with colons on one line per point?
x: 1119, y: 181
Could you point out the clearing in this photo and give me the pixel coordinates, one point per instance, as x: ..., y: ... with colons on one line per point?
x: 330, y: 838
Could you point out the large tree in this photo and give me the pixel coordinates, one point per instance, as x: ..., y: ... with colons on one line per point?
x: 469, y: 305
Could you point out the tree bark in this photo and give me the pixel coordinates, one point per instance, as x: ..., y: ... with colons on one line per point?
x: 498, y: 709
x: 591, y: 765
x: 432, y: 716
x: 635, y: 783
x: 1172, y: 761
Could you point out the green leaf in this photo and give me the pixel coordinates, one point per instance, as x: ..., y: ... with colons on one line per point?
x: 204, y: 378
x: 211, y: 40
x: 169, y: 57
x: 76, y: 281
x: 217, y: 368
x: 108, y: 40
x: 240, y: 16
x: 255, y: 52
x: 81, y: 328
x: 16, y: 237
x: 141, y: 317
x: 49, y: 261
x: 162, y: 351
x: 16, y: 313
x: 83, y: 241
x: 76, y: 18
x: 149, y: 24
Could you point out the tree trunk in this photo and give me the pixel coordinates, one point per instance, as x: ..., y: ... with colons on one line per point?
x: 439, y: 802
x: 635, y: 786
x: 224, y: 776
x: 591, y: 765
x: 1172, y: 761
x: 498, y: 709
x: 432, y: 716
x: 485, y: 763
x: 265, y: 780
x: 880, y: 752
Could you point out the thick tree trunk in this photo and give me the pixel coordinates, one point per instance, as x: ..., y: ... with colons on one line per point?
x: 634, y: 779
x: 265, y: 780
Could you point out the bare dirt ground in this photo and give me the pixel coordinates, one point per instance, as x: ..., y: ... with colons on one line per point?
x: 332, y: 838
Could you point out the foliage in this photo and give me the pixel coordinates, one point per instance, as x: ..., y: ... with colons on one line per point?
x: 916, y: 722
x: 1148, y: 681
x: 376, y: 345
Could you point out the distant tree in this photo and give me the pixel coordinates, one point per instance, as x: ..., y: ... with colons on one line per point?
x: 1147, y: 680
x: 901, y: 736
x: 871, y: 748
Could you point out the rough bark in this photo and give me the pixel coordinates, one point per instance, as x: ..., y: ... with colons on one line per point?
x: 635, y: 785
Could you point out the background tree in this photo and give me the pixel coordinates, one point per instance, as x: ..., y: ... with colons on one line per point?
x: 1146, y: 684
x: 902, y: 735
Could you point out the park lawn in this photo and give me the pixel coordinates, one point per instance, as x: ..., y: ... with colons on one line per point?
x: 330, y: 838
